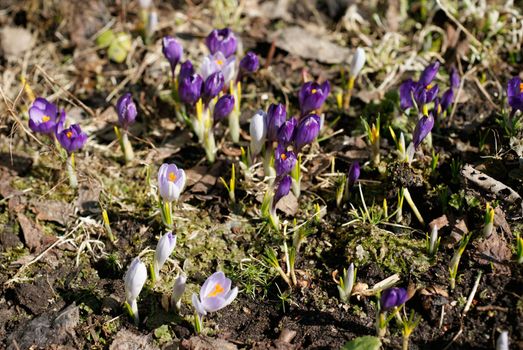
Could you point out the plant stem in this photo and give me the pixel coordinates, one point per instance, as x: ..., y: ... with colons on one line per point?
x: 73, y: 181
x: 405, y: 342
x: 127, y: 148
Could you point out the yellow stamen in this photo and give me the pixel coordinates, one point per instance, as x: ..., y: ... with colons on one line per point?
x: 219, y: 62
x: 69, y: 134
x: 283, y: 156
x: 428, y: 87
x: 46, y: 118
x: 314, y: 91
x: 218, y: 289
x: 520, y: 87
x: 172, y: 176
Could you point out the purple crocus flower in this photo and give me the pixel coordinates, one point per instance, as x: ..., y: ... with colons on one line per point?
x: 276, y: 115
x: 515, y: 94
x: 43, y: 116
x: 171, y: 182
x: 428, y: 74
x: 218, y: 62
x: 423, y: 90
x: 406, y: 90
x: 283, y: 189
x: 393, y: 297
x: 186, y: 70
x: 126, y: 110
x: 215, y: 294
x: 425, y: 94
x: 312, y: 96
x: 172, y: 50
x: 190, y: 89
x: 354, y: 173
x: 72, y: 139
x: 307, y: 130
x: 287, y: 132
x: 222, y: 40
x: 423, y: 128
x: 213, y: 85
x: 223, y: 107
x: 446, y: 99
x: 249, y: 62
x: 284, y: 161
x: 454, y: 78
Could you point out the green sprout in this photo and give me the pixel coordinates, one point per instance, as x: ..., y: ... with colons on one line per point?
x: 408, y: 324
x: 519, y: 248
x: 232, y: 184
x: 453, y: 266
x: 489, y: 221
x: 373, y: 134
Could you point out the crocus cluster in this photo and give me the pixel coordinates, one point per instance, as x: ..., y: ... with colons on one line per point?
x: 44, y: 118
x: 202, y: 95
x: 215, y: 294
x: 171, y: 182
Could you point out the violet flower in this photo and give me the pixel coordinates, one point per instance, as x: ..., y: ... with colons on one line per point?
x: 393, y: 297
x: 223, y: 107
x: 171, y: 182
x: 186, y: 70
x: 213, y: 85
x: 43, y: 116
x: 287, y: 132
x: 172, y: 50
x: 276, y: 115
x: 72, y: 139
x: 307, y: 130
x: 126, y: 109
x: 354, y: 173
x: 218, y: 62
x: 164, y: 249
x: 515, y: 95
x: 222, y: 40
x: 249, y: 63
x: 215, y: 294
x: 134, y: 280
x: 423, y: 90
x: 190, y: 88
x: 312, y: 96
x: 423, y: 128
x: 284, y: 161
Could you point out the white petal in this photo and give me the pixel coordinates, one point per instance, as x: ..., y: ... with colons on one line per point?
x: 358, y: 61
x: 197, y: 305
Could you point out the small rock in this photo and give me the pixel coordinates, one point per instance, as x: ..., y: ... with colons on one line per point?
x: 126, y: 340
x: 16, y: 41
x: 206, y: 343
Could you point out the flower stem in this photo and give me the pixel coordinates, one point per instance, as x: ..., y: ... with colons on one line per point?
x: 198, y: 323
x: 73, y: 181
x: 127, y: 148
x: 234, y: 125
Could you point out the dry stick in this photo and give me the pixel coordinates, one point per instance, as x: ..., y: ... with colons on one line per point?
x: 71, y: 95
x: 472, y: 294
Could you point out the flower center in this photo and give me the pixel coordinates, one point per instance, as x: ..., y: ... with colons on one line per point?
x: 520, y: 87
x: 218, y: 289
x: 283, y: 156
x: 219, y: 62
x: 46, y: 118
x: 314, y: 91
x: 69, y: 134
x: 172, y: 176
x: 428, y: 87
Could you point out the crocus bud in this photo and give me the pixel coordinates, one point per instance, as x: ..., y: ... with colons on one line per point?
x: 312, y: 96
x: 354, y: 173
x: 258, y: 131
x: 284, y: 161
x: 283, y: 189
x: 180, y: 283
x: 134, y: 280
x: 502, y: 341
x: 307, y: 130
x: 423, y: 128
x: 171, y: 182
x: 145, y: 4
x: 223, y: 107
x: 190, y: 88
x: 72, y: 139
x: 186, y: 70
x: 428, y: 75
x: 213, y: 85
x: 446, y: 99
x: 287, y: 132
x: 276, y: 115
x: 515, y: 94
x: 172, y: 50
x: 358, y: 61
x: 250, y: 62
x: 393, y: 297
x: 406, y: 90
x: 222, y: 40
x: 126, y: 110
x: 215, y: 294
x: 43, y: 116
x: 164, y: 249
x: 454, y: 78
